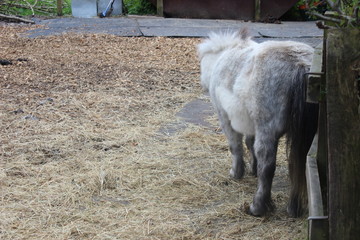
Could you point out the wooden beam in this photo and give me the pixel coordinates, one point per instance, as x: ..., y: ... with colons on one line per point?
x: 313, y: 182
x: 318, y: 223
x: 16, y: 19
x: 343, y: 121
x: 59, y: 7
x: 160, y: 8
x: 257, y: 10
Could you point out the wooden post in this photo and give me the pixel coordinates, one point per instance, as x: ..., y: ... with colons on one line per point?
x: 343, y: 118
x: 316, y: 161
x: 160, y: 8
x: 59, y: 7
x: 322, y: 160
x: 257, y: 10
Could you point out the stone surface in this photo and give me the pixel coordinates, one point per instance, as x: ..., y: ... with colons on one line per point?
x: 135, y: 26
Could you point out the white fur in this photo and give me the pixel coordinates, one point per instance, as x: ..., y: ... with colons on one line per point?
x: 254, y: 88
x: 231, y: 68
x: 237, y: 112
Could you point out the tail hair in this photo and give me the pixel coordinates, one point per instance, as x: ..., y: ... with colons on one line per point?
x: 302, y: 128
x: 217, y: 42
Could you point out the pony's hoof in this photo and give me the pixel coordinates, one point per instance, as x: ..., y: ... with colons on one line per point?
x: 257, y: 211
x: 261, y: 210
x: 236, y: 174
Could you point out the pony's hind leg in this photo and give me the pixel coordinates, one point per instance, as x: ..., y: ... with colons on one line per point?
x: 249, y: 141
x: 265, y: 148
x: 236, y: 147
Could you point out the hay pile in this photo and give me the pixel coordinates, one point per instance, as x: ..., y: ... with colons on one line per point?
x: 82, y: 156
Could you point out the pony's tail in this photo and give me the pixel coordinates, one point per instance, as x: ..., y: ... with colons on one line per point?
x: 301, y: 131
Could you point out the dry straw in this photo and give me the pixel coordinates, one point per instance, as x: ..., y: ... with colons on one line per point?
x: 83, y: 155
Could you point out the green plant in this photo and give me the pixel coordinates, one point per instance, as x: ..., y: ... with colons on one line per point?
x: 299, y: 11
x: 139, y: 7
x: 33, y: 7
x: 345, y: 13
x: 67, y: 7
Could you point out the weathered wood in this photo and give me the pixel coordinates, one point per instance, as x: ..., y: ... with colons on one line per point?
x: 322, y: 160
x: 318, y: 224
x: 160, y: 7
x: 321, y: 155
x: 343, y: 116
x: 15, y: 18
x: 59, y: 7
x: 313, y: 181
x: 257, y: 10
x: 314, y: 77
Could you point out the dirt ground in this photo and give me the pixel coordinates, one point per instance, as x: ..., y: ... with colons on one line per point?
x: 83, y: 155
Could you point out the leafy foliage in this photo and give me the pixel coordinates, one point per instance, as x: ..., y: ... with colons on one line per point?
x: 341, y: 13
x: 33, y: 7
x: 299, y: 11
x: 345, y: 13
x: 49, y: 7
x: 139, y: 7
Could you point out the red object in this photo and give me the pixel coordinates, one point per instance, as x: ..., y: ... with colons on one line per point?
x: 306, y: 6
x: 303, y: 7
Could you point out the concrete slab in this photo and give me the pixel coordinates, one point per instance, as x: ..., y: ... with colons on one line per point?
x: 115, y: 26
x: 305, y: 32
x: 174, y: 27
x: 194, y: 112
x: 201, y: 28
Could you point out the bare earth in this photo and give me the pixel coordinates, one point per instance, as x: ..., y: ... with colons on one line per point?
x: 84, y: 153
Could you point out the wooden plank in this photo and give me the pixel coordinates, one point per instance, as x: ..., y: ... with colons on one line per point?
x: 257, y: 10
x: 321, y: 155
x: 160, y: 8
x: 59, y: 4
x: 317, y: 221
x: 315, y: 76
x: 313, y: 182
x: 318, y: 224
x: 343, y: 118
x: 15, y: 18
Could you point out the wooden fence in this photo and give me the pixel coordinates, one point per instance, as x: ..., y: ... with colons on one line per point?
x: 333, y: 167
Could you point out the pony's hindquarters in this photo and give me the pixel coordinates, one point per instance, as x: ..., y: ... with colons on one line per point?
x: 281, y: 108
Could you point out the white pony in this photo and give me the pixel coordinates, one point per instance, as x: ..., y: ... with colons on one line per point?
x: 258, y: 91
